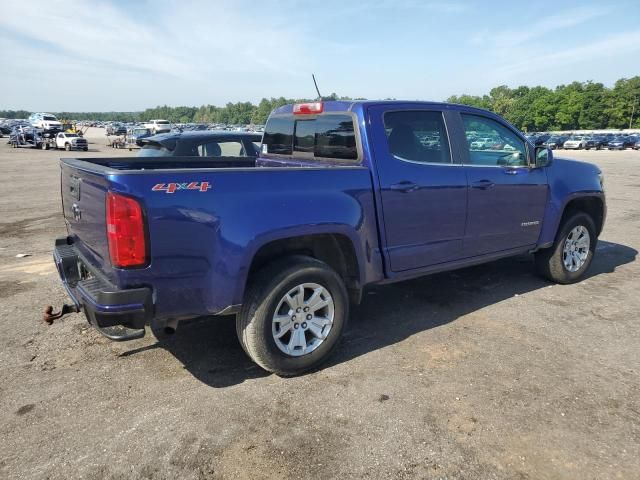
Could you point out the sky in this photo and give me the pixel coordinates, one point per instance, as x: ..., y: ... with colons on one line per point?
x: 127, y: 55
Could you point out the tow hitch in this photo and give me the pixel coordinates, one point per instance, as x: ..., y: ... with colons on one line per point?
x: 49, y: 316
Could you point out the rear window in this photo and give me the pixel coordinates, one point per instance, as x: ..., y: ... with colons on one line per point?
x: 278, y: 136
x: 325, y: 136
x: 154, y: 150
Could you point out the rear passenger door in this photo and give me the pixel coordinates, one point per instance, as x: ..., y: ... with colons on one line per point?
x: 423, y: 187
x: 507, y: 197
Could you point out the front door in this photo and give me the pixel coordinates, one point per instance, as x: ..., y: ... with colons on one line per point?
x: 507, y: 198
x: 423, y: 188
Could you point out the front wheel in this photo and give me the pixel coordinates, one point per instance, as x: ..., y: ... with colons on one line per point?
x: 569, y: 258
x: 294, y: 314
x: 67, y: 147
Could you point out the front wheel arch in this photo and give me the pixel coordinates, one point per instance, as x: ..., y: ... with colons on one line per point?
x: 591, y: 205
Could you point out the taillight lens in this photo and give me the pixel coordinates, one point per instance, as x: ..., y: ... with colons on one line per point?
x: 125, y: 231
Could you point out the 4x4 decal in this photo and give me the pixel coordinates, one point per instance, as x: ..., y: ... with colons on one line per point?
x: 173, y: 187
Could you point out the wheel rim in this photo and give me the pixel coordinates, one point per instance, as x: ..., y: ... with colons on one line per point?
x: 303, y: 319
x: 576, y: 248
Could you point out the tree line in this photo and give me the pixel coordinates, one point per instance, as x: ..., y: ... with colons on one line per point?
x: 576, y: 106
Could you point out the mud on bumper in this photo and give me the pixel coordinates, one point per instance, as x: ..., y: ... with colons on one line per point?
x: 119, y: 314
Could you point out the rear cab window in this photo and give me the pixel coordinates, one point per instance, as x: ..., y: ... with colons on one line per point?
x: 324, y: 138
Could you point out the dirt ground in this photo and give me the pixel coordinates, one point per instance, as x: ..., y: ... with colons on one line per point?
x: 482, y: 373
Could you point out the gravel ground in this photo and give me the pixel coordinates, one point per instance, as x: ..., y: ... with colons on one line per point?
x: 487, y: 372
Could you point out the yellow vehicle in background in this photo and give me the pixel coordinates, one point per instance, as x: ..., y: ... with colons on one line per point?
x: 69, y: 126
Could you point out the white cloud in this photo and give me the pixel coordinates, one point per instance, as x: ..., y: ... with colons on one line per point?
x: 618, y: 45
x: 205, y: 46
x: 522, y: 32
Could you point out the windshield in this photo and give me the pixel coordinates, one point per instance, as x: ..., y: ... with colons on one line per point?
x: 162, y: 122
x: 49, y: 117
x: 71, y: 135
x: 154, y: 150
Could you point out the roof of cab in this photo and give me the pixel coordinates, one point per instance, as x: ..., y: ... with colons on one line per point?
x: 346, y: 106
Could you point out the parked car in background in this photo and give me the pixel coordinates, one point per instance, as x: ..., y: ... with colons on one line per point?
x: 481, y: 143
x: 158, y: 126
x: 116, y: 129
x: 205, y: 143
x: 620, y: 143
x: 554, y: 142
x: 594, y: 142
x: 71, y: 141
x: 45, y: 121
x: 575, y: 142
x: 538, y: 139
x: 135, y: 135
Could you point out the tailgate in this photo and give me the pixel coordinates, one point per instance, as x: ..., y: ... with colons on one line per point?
x: 83, y: 204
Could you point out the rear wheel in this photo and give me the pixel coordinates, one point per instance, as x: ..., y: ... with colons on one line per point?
x: 294, y: 314
x: 572, y: 253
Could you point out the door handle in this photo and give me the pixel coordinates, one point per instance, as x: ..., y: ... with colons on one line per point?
x: 483, y: 184
x: 404, y: 186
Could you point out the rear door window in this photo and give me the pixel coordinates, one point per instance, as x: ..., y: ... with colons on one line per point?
x: 418, y: 136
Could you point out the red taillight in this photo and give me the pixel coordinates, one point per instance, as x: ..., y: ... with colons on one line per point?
x: 125, y: 231
x: 308, y: 108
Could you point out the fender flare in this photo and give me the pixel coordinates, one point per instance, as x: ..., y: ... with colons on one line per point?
x: 292, y: 232
x: 560, y: 212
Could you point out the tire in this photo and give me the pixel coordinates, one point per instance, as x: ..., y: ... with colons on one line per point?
x: 85, y: 149
x: 67, y: 147
x: 550, y: 262
x: 266, y: 295
x: 44, y: 146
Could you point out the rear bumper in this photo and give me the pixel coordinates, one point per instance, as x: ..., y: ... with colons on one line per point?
x: 105, y: 305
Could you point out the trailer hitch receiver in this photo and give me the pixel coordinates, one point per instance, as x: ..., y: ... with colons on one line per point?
x: 49, y: 316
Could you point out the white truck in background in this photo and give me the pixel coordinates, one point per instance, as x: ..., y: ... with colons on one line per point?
x: 45, y: 121
x: 158, y: 126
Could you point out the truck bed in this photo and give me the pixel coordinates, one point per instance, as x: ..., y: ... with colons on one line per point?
x: 206, y: 218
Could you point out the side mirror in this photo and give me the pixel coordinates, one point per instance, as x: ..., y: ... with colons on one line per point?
x: 543, y: 156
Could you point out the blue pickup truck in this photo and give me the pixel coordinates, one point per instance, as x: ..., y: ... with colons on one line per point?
x: 342, y: 195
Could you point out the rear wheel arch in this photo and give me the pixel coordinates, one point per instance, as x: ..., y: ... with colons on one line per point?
x: 335, y: 250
